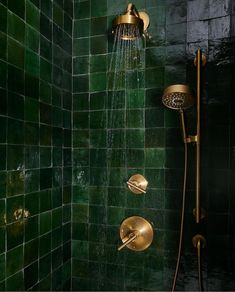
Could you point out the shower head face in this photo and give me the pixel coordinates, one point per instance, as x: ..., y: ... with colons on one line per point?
x: 177, y: 97
x: 129, y: 25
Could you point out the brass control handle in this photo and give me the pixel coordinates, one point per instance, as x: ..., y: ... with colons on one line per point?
x: 135, y: 187
x: 132, y: 237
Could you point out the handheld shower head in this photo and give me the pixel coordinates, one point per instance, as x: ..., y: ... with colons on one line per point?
x: 177, y: 97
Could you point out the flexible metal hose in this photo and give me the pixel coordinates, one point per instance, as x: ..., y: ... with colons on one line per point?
x: 200, y: 281
x: 182, y: 216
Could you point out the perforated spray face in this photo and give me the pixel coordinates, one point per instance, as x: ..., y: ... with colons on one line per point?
x: 177, y: 97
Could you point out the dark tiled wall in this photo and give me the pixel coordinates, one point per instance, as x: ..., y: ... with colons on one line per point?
x: 153, y: 148
x: 35, y: 143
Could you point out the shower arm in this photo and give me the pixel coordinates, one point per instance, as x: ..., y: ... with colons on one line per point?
x: 186, y: 139
x: 131, y: 9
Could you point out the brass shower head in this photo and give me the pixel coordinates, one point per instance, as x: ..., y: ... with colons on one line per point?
x: 132, y: 22
x: 177, y: 97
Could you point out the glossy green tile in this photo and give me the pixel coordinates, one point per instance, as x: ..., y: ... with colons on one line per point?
x: 3, y: 46
x: 3, y: 21
x: 98, y: 25
x: 81, y: 28
x: 18, y: 8
x: 31, y: 86
x: 45, y: 244
x: 45, y: 222
x: 81, y: 83
x: 15, y: 79
x: 135, y: 138
x: 31, y: 134
x: 135, y: 118
x: 45, y: 178
x: 98, y: 119
x: 98, y: 45
x: 58, y: 15
x: 81, y: 10
x: 16, y: 27
x: 80, y: 213
x: 3, y: 157
x: 31, y: 110
x: 46, y: 25
x: 98, y: 176
x: 115, y: 215
x: 98, y: 63
x: 31, y: 275
x: 2, y: 265
x: 15, y: 157
x: 15, y: 235
x: 3, y: 101
x: 155, y: 157
x: 81, y: 47
x: 80, y: 65
x: 31, y: 251
x: 98, y: 138
x: 44, y: 266
x: 15, y: 282
x: 135, y: 158
x: 154, y: 118
x: 116, y: 196
x: 31, y: 228
x: 154, y: 137
x: 15, y: 53
x: 32, y: 15
x: 3, y: 184
x: 2, y: 212
x: 15, y: 183
x: 32, y: 63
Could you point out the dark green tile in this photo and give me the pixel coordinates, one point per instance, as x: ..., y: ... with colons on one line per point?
x: 2, y: 265
x: 98, y: 138
x: 80, y: 213
x: 45, y: 135
x: 45, y: 156
x: 80, y: 138
x: 45, y: 222
x: 2, y: 212
x: 135, y: 158
x: 15, y: 282
x: 2, y: 240
x: 81, y: 28
x: 15, y: 183
x: 58, y: 15
x: 98, y: 64
x: 81, y: 47
x: 98, y: 45
x: 44, y: 266
x: 3, y: 101
x: 81, y: 120
x: 32, y: 63
x: 31, y: 275
x: 154, y: 118
x: 31, y: 110
x: 3, y: 157
x: 135, y: 138
x: 3, y: 183
x: 16, y: 27
x: 45, y: 244
x: 81, y: 10
x: 155, y: 158
x: 97, y: 119
x: 80, y: 65
x: 115, y: 215
x: 15, y: 79
x: 32, y: 226
x: 31, y: 86
x: 98, y: 176
x: 154, y: 77
x: 98, y: 25
x: 31, y: 249
x: 15, y: 157
x: 45, y: 178
x: 31, y: 134
x: 17, y: 7
x: 3, y: 21
x: 46, y: 25
x: 15, y: 235
x: 116, y: 196
x: 32, y: 15
x: 32, y: 180
x: 135, y: 119
x: 3, y: 46
x: 154, y: 137
x: 15, y: 53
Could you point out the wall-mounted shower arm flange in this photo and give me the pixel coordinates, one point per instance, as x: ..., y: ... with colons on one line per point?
x: 198, y: 238
x: 144, y: 16
x: 203, y: 60
x: 137, y: 184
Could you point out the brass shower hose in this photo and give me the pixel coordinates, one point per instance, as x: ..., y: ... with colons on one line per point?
x: 182, y: 216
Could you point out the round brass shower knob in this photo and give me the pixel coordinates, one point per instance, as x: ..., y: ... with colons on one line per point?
x: 137, y: 184
x: 136, y: 233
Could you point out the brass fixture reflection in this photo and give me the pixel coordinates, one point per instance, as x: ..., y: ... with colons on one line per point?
x: 136, y: 233
x: 21, y: 214
x: 137, y: 184
x: 134, y: 23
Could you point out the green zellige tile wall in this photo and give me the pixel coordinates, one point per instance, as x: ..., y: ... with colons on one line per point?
x: 147, y: 140
x: 35, y: 143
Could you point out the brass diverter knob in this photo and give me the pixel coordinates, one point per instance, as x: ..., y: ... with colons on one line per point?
x: 136, y: 233
x: 137, y: 184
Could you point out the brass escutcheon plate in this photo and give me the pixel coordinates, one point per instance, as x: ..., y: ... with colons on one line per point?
x: 137, y: 184
x: 140, y: 226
